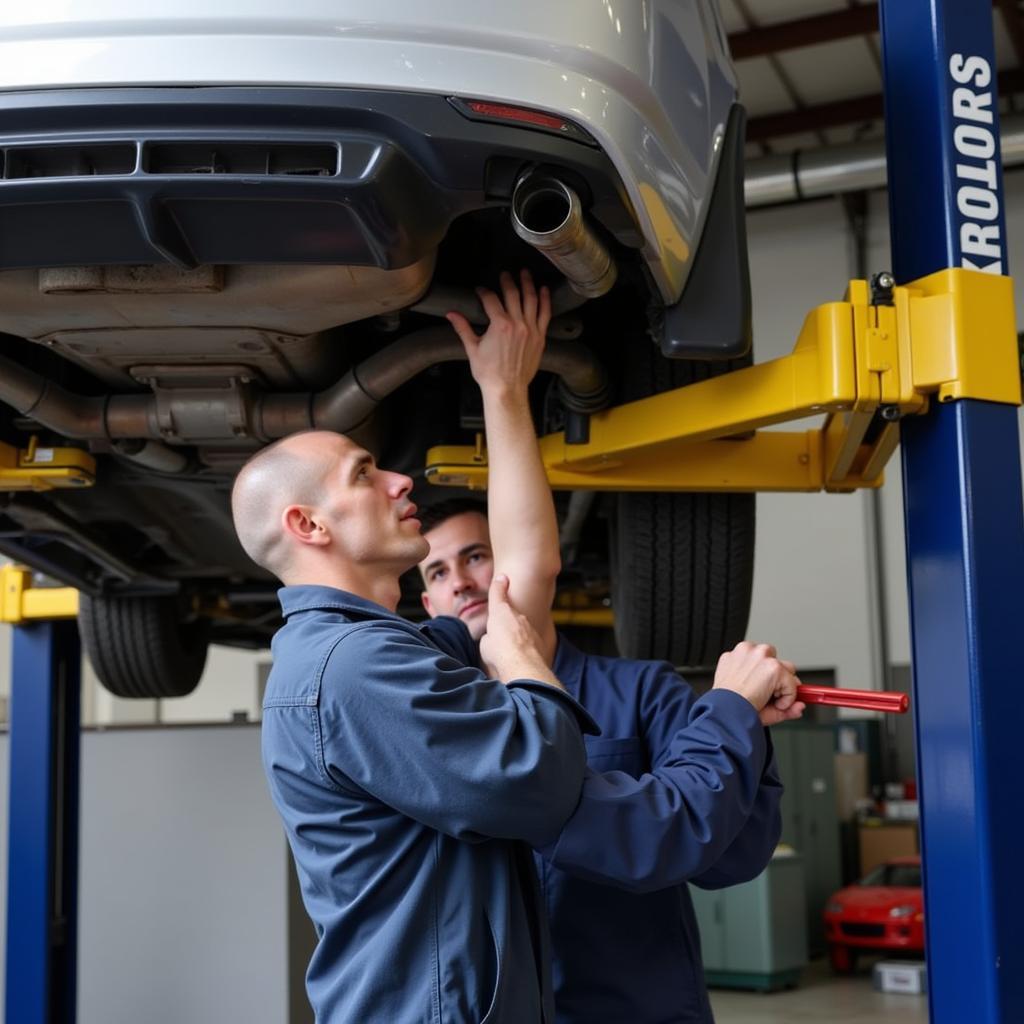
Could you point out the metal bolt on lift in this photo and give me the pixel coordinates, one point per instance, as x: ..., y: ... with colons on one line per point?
x: 925, y: 357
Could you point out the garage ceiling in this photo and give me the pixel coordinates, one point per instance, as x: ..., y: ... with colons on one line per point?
x: 810, y: 70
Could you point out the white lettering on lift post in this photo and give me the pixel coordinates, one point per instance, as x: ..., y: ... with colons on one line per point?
x: 974, y: 136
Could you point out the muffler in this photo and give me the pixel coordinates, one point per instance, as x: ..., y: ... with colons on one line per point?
x: 546, y: 214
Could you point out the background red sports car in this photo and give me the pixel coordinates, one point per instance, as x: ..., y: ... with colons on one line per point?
x: 883, y: 912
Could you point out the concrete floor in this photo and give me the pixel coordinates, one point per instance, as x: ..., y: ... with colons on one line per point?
x: 820, y: 997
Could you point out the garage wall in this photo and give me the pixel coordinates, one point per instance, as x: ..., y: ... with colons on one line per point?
x: 810, y: 577
x: 183, y: 887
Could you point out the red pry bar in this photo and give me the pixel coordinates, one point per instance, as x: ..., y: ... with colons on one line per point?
x: 866, y: 700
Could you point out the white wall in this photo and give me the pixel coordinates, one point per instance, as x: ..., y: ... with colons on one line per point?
x: 183, y: 885
x: 810, y: 578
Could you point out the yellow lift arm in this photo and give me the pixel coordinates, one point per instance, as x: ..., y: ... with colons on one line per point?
x: 38, y: 468
x: 949, y: 335
x: 20, y: 601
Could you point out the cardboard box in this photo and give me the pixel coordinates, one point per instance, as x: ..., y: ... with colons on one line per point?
x: 906, y: 976
x: 879, y: 843
x: 851, y: 783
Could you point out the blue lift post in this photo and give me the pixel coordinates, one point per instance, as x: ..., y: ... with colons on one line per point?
x: 965, y: 531
x: 42, y: 869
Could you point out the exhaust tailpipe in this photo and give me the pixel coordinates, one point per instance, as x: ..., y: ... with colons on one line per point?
x: 547, y: 214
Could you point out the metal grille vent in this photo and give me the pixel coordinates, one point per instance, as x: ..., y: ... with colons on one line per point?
x: 96, y: 159
x: 264, y: 159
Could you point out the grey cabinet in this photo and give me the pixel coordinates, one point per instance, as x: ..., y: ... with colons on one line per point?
x: 810, y: 821
x: 753, y: 935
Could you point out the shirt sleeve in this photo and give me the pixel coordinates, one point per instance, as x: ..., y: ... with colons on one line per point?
x: 749, y: 853
x: 452, y: 636
x: 675, y: 822
x: 444, y: 744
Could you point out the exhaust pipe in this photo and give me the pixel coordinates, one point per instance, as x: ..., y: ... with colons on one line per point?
x: 348, y: 403
x: 547, y: 215
x: 342, y: 406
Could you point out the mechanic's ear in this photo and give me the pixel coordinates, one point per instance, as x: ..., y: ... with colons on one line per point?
x: 300, y: 522
x: 427, y: 606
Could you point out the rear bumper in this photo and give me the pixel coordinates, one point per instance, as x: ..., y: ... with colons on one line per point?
x: 221, y: 176
x: 652, y: 82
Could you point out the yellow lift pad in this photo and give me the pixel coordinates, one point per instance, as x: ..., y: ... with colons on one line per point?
x: 38, y: 468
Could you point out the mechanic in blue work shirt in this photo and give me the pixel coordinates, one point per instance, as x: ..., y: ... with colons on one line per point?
x: 408, y: 779
x: 679, y: 789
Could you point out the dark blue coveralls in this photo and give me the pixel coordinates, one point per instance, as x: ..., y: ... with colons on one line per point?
x: 401, y: 775
x: 403, y: 778
x: 678, y: 789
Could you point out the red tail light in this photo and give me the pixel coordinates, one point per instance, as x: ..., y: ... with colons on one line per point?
x: 504, y: 113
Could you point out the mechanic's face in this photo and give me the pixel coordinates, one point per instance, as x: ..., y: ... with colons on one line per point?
x: 458, y: 570
x: 367, y: 509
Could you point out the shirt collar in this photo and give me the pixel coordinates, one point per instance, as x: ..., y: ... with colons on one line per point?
x: 314, y: 597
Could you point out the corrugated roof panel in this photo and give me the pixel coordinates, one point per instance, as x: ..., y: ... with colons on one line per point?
x: 832, y: 71
x: 770, y: 12
x: 731, y: 18
x: 822, y: 73
x: 761, y: 89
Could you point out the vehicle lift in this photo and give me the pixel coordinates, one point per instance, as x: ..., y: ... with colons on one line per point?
x: 925, y: 357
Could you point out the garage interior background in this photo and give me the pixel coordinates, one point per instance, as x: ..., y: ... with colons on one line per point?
x: 194, y: 874
x: 816, y: 587
x: 188, y: 880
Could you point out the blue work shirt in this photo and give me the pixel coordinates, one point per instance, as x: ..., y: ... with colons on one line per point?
x: 678, y: 789
x: 405, y: 779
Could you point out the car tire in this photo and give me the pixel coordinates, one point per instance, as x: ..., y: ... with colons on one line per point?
x: 682, y: 564
x: 141, y: 647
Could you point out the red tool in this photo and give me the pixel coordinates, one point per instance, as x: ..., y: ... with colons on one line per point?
x: 867, y: 700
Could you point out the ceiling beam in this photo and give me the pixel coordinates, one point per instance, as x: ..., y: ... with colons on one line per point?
x: 826, y: 28
x: 792, y: 35
x: 842, y: 112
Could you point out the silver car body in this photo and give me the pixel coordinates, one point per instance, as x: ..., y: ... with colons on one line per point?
x: 650, y: 80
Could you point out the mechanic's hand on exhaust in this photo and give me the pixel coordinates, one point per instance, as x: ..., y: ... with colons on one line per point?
x: 754, y: 672
x: 506, y: 357
x: 510, y: 649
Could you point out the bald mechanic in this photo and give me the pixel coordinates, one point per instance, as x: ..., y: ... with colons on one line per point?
x: 409, y: 780
x: 680, y: 789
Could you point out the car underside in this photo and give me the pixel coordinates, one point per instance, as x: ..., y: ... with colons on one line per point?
x: 187, y: 275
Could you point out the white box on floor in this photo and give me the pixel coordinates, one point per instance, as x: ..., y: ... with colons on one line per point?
x: 908, y: 976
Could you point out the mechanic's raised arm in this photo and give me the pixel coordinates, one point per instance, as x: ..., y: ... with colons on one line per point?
x: 520, y: 509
